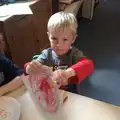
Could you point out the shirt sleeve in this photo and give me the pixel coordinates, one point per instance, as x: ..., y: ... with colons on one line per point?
x: 76, y: 56
x: 83, y: 68
x: 43, y: 56
x: 25, y: 65
x: 10, y: 70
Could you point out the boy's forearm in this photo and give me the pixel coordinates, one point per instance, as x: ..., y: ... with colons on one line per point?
x: 82, y: 68
x: 12, y: 85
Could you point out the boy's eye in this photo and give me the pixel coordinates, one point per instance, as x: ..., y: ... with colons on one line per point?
x: 53, y: 38
x: 65, y: 40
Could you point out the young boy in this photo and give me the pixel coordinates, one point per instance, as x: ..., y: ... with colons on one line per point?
x: 9, y: 73
x: 69, y: 64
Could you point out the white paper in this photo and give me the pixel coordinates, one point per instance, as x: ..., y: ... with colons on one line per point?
x: 15, y: 9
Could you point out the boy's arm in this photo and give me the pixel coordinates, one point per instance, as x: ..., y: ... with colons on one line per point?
x: 79, y: 71
x: 10, y: 70
x: 12, y: 85
x: 41, y: 58
x: 11, y: 74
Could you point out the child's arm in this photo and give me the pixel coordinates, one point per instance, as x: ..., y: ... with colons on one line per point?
x: 11, y: 75
x: 76, y: 73
x: 81, y: 68
x: 14, y: 84
x: 35, y: 65
x: 79, y: 71
x: 32, y: 67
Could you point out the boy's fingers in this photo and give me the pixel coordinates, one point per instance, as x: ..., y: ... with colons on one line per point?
x: 60, y: 77
x: 34, y: 68
x: 37, y: 63
x: 63, y: 78
x: 55, y: 77
x: 38, y: 67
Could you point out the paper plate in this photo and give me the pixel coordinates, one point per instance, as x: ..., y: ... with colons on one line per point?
x: 9, y: 108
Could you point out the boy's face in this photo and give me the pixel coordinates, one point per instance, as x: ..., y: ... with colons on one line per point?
x: 61, y: 40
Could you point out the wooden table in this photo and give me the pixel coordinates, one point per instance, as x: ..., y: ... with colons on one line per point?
x: 77, y: 107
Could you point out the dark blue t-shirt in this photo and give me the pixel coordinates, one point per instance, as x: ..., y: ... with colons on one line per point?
x: 8, y: 70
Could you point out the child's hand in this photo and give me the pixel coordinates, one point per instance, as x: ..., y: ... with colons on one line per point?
x: 33, y: 67
x: 61, y: 77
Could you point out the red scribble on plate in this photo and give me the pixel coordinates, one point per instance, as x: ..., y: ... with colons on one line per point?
x: 44, y: 90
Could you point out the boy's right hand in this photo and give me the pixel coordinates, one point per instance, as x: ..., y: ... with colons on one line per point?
x: 34, y: 67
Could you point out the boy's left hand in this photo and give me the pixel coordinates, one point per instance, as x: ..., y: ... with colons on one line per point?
x: 61, y: 77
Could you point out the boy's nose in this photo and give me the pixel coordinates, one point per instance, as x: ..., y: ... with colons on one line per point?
x: 59, y: 43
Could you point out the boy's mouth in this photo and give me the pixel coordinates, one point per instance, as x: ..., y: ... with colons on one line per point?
x: 59, y: 49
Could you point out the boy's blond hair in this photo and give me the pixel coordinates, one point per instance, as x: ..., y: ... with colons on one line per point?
x: 63, y: 20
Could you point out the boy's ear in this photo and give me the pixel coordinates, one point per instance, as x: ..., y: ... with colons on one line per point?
x: 47, y: 32
x: 74, y: 38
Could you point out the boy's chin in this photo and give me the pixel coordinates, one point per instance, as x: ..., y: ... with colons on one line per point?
x: 60, y: 53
